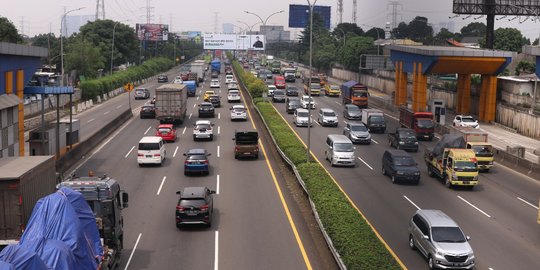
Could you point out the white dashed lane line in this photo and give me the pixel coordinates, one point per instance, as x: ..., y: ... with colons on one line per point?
x: 218, y: 151
x: 473, y: 206
x: 175, y: 150
x: 184, y: 132
x: 190, y: 115
x: 91, y: 120
x: 133, y: 147
x: 148, y: 129
x: 365, y: 163
x: 218, y: 129
x: 418, y: 208
x: 161, y: 185
x: 528, y: 203
x: 107, y: 112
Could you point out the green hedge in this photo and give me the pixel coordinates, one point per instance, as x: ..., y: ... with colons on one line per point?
x: 93, y: 88
x: 352, y: 237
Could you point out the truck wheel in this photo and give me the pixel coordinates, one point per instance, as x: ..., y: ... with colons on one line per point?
x: 447, y: 182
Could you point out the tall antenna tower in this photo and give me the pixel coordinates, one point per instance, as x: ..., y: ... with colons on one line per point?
x: 394, y: 14
x: 149, y: 10
x: 21, y: 28
x: 100, y: 5
x: 216, y: 22
x: 340, y: 11
x: 354, y: 10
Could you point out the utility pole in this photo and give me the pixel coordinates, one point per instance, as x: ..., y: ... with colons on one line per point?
x: 394, y: 14
x: 340, y: 11
x: 354, y: 10
x: 100, y: 5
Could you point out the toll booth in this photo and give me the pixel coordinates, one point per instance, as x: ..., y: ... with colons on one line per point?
x: 72, y: 137
x: 438, y: 108
x: 42, y: 141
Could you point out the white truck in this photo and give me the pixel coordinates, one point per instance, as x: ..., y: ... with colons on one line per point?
x: 171, y: 103
x: 374, y: 120
x: 198, y: 66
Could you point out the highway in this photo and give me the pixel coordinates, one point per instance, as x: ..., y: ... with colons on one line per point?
x: 499, y: 215
x: 257, y: 222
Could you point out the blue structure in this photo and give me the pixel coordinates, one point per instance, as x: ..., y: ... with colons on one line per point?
x: 299, y: 15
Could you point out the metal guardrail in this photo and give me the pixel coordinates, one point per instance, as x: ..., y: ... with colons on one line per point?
x: 327, y: 238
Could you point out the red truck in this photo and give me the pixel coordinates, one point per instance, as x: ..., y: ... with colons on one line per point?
x: 355, y: 93
x: 421, y: 122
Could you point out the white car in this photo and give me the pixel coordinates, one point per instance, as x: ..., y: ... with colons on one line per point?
x: 214, y: 83
x: 178, y: 79
x: 465, y: 121
x: 307, y: 101
x: 271, y: 89
x: 234, y: 82
x: 238, y: 112
x: 232, y: 86
x: 229, y: 78
x: 233, y: 96
x: 301, y: 118
x: 203, y: 130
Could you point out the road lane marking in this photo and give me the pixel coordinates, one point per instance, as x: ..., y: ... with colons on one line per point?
x: 133, y: 147
x: 175, y: 150
x: 91, y: 120
x: 219, y: 116
x: 218, y: 129
x: 184, y: 131
x: 316, y: 122
x: 365, y: 163
x: 337, y: 103
x: 197, y: 97
x: 107, y: 112
x: 217, y: 185
x: 417, y: 208
x: 216, y: 245
x: 473, y: 206
x: 530, y: 204
x: 194, y: 105
x: 133, y: 251
x: 218, y: 151
x: 190, y: 115
x: 148, y: 129
x: 161, y: 185
x: 376, y: 142
x: 119, y: 106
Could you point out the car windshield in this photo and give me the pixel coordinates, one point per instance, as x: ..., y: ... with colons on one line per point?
x: 303, y: 114
x: 164, y: 130
x: 203, y: 126
x: 465, y: 166
x: 308, y: 99
x: 315, y: 86
x: 246, y: 139
x: 352, y: 108
x: 239, y: 110
x: 148, y: 146
x: 329, y: 114
x: 343, y: 147
x: 279, y: 93
x: 360, y: 94
x: 233, y: 92
x: 404, y: 161
x: 424, y: 123
x: 215, y: 81
x: 196, y: 157
x: 447, y: 235
x: 196, y: 202
x: 467, y: 119
x: 377, y: 119
x: 358, y: 128
x: 407, y: 134
x: 292, y: 89
x: 206, y: 106
x: 483, y: 150
x: 334, y: 87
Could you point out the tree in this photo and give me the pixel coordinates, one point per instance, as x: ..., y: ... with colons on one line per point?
x: 8, y: 31
x: 84, y: 57
x: 347, y: 28
x: 508, y: 39
x: 442, y: 36
x: 318, y: 30
x: 375, y: 33
x: 349, y: 54
x: 419, y: 30
x: 402, y: 31
x: 474, y: 29
x: 525, y: 67
x: 324, y: 54
x: 51, y: 42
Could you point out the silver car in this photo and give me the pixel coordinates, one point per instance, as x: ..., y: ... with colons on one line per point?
x: 203, y: 130
x: 327, y: 117
x: 440, y: 240
x: 357, y: 133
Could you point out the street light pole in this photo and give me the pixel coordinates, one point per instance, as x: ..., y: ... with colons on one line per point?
x: 308, y: 158
x: 62, y: 22
x: 112, y: 47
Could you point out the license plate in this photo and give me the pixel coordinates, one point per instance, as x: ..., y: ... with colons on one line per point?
x: 465, y: 182
x: 192, y: 213
x: 247, y: 153
x: 148, y: 156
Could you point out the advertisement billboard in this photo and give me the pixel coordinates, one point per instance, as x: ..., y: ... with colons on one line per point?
x: 299, y: 15
x: 234, y: 42
x: 152, y: 32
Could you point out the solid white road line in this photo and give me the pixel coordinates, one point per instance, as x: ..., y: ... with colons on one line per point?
x: 133, y: 147
x: 184, y: 132
x: 197, y: 97
x: 218, y: 129
x: 317, y: 122
x: 528, y: 203
x: 91, y: 120
x: 190, y: 115
x: 366, y: 163
x: 418, y: 208
x: 217, y: 185
x: 215, y: 251
x: 133, y: 251
x: 148, y: 129
x: 219, y: 116
x: 119, y: 106
x: 194, y: 105
x: 337, y: 103
x: 218, y: 151
x: 107, y: 112
x: 473, y: 206
x: 161, y: 185
x: 175, y: 150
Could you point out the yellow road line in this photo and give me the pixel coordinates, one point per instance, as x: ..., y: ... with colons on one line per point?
x: 283, y: 202
x: 344, y: 193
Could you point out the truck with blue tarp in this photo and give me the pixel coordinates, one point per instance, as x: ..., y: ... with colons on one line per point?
x: 191, y: 87
x: 215, y: 65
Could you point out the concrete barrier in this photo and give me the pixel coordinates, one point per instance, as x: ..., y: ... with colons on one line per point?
x: 91, y: 103
x: 98, y: 99
x: 104, y: 97
x: 73, y: 110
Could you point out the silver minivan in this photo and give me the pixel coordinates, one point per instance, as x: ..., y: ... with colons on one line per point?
x: 440, y: 240
x: 340, y: 150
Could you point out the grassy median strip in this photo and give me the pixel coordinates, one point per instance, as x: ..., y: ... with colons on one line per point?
x: 352, y: 237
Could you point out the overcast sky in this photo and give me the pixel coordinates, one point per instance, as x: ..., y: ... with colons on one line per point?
x: 41, y: 15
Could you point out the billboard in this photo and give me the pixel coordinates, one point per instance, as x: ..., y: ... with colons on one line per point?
x: 234, y: 42
x: 152, y: 32
x: 299, y: 15
x: 497, y: 7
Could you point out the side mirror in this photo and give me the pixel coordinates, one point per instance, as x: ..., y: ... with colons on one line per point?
x: 331, y: 147
x: 425, y: 237
x: 212, y: 192
x: 125, y: 199
x: 185, y: 156
x: 179, y: 192
x: 468, y: 238
x: 212, y: 124
x: 233, y: 139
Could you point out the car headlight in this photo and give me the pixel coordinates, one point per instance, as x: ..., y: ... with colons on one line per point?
x: 416, y: 143
x: 400, y: 172
x: 454, y: 177
x: 401, y: 142
x: 368, y: 137
x: 475, y: 178
x: 416, y: 173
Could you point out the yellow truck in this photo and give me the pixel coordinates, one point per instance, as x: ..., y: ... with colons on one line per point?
x: 477, y: 140
x: 450, y: 161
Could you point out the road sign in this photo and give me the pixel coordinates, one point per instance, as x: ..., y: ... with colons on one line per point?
x: 128, y: 87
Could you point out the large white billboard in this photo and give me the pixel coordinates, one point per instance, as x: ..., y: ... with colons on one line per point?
x: 234, y: 42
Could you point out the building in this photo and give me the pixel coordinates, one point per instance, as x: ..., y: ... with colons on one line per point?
x: 17, y: 65
x: 74, y: 23
x: 273, y: 33
x: 228, y: 28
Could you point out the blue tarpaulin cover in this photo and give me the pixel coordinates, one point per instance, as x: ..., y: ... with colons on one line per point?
x: 17, y: 257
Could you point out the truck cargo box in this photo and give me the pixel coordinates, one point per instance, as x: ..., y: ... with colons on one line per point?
x: 171, y: 103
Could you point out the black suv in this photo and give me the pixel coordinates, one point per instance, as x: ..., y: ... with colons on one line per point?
x: 215, y: 100
x: 206, y: 109
x: 195, y: 206
x: 400, y: 166
x: 292, y: 90
x: 162, y: 78
x: 291, y: 104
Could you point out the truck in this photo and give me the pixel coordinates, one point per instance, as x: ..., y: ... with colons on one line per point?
x: 451, y: 162
x: 403, y: 138
x: 215, y: 66
x: 191, y: 88
x: 374, y: 120
x: 421, y: 122
x: 275, y: 67
x: 477, y: 140
x: 23, y: 181
x: 246, y: 144
x: 355, y: 93
x: 171, y: 103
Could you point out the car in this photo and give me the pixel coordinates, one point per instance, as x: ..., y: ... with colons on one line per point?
x: 440, y: 239
x: 292, y: 90
x: 151, y: 150
x: 167, y: 132
x: 301, y: 118
x: 141, y: 93
x: 197, y: 161
x: 271, y: 89
x: 245, y: 65
x: 331, y: 90
x: 206, y: 109
x: 327, y: 117
x: 229, y: 78
x: 232, y: 86
x: 178, y: 79
x: 339, y: 151
x: 279, y: 82
x: 214, y: 74
x: 357, y: 132
x: 307, y: 101
x: 214, y: 83
x: 162, y: 78
x: 195, y: 206
x: 233, y: 81
x: 279, y: 96
x: 246, y: 144
x: 352, y: 112
x: 269, y: 75
x: 233, y: 96
x: 215, y: 100
x: 465, y: 121
x: 254, y: 72
x: 238, y: 112
x: 292, y: 103
x: 400, y: 166
x: 207, y: 94
x: 257, y: 66
x: 148, y: 111
x: 202, y: 129
x: 289, y: 76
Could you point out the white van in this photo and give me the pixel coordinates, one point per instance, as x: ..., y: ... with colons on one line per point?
x: 340, y: 150
x: 151, y: 150
x: 229, y: 78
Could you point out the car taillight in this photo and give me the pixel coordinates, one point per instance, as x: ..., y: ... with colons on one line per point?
x: 140, y: 155
x: 157, y: 155
x: 204, y: 161
x: 236, y: 148
x: 186, y: 162
x: 180, y: 208
x: 203, y: 208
